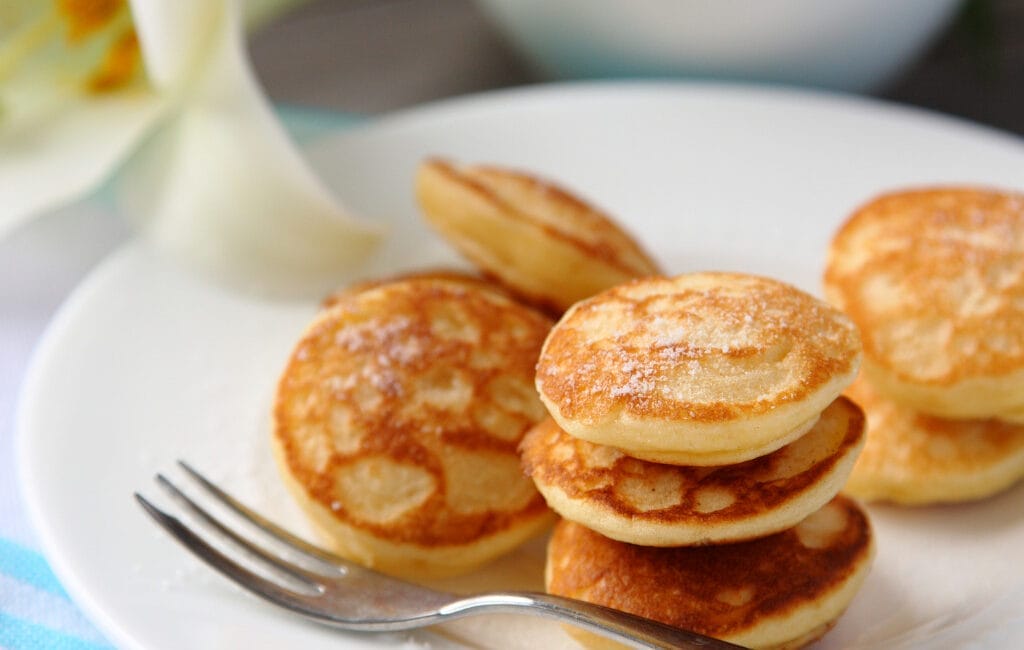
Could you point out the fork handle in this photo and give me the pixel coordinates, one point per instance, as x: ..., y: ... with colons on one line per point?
x: 621, y: 626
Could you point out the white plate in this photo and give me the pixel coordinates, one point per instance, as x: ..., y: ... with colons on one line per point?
x: 146, y: 363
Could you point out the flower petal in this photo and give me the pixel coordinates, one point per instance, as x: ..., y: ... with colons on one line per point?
x: 176, y: 37
x: 223, y: 187
x: 72, y: 103
x: 57, y: 159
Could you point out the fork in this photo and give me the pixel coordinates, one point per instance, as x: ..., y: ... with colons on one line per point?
x: 331, y: 590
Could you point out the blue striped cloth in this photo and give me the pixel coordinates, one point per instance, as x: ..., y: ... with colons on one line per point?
x: 35, y: 611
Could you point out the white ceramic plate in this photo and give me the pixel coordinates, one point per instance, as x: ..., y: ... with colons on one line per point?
x: 146, y: 363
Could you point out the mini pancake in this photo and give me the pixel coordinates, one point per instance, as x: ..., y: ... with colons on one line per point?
x: 545, y: 244
x: 934, y: 279
x: 701, y: 369
x: 452, y: 275
x: 396, y: 424
x: 914, y: 459
x: 652, y: 504
x: 781, y: 591
x: 1013, y: 417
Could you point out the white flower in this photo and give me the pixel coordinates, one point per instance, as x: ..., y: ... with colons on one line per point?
x: 212, y: 176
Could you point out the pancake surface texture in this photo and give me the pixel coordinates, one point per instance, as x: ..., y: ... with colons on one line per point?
x: 934, y: 278
x: 914, y: 459
x: 780, y: 591
x: 452, y: 275
x: 396, y: 424
x: 652, y: 504
x: 538, y: 239
x: 700, y: 369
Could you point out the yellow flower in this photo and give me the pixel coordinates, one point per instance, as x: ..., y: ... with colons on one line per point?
x: 84, y: 84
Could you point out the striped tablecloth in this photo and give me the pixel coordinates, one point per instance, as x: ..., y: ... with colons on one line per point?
x: 39, y: 266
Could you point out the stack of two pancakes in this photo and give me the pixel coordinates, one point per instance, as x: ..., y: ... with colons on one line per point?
x: 695, y: 448
x: 934, y: 279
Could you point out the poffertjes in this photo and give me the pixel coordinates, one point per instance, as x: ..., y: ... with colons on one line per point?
x: 652, y: 504
x: 914, y: 459
x: 450, y: 274
x: 781, y: 591
x: 934, y: 279
x: 396, y: 424
x: 538, y: 239
x: 700, y: 369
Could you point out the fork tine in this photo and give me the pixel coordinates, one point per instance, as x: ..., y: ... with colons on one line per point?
x: 251, y: 550
x: 238, y: 574
x: 323, y: 559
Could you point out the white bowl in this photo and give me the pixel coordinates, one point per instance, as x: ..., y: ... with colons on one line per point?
x: 854, y: 45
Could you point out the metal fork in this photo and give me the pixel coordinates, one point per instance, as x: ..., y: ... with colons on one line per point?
x: 339, y: 593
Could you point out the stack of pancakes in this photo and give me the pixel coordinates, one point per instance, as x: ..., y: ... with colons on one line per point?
x: 696, y: 434
x: 696, y: 445
x: 934, y: 279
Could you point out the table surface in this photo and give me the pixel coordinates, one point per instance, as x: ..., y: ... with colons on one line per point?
x: 375, y: 56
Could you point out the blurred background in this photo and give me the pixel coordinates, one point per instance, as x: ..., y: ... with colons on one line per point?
x: 372, y: 56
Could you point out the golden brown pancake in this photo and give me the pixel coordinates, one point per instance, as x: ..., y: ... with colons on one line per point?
x: 913, y: 459
x: 453, y: 275
x: 701, y: 369
x: 396, y: 424
x: 538, y: 239
x: 1015, y: 416
x: 781, y: 591
x: 652, y: 504
x: 934, y: 279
